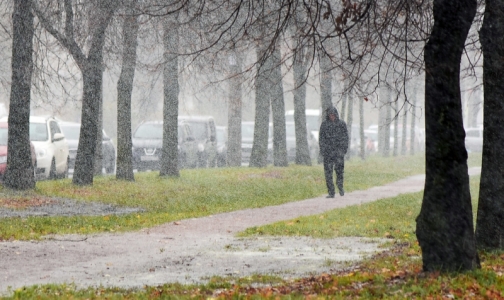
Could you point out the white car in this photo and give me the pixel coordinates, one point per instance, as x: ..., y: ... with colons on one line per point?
x: 51, y: 148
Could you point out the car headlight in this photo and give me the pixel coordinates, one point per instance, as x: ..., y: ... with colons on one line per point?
x: 201, y: 147
x: 3, y: 159
x: 41, y: 153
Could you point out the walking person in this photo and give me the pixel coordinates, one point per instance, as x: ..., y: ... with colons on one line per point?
x: 333, y: 143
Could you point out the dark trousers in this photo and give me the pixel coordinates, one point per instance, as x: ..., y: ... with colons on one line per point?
x: 334, y: 165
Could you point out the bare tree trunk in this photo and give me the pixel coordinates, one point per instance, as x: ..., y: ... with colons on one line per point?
x: 325, y: 83
x: 278, y: 112
x: 490, y: 219
x: 19, y: 174
x: 344, y: 101
x: 169, y: 158
x: 445, y: 223
x: 404, y: 131
x: 386, y: 123
x: 259, y: 155
x: 302, y: 149
x: 396, y: 128
x: 124, y: 165
x: 350, y: 124
x: 98, y: 163
x: 92, y: 77
x: 361, y: 130
x: 234, y: 113
x: 413, y: 140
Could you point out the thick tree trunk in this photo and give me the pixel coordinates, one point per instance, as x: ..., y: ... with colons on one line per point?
x: 302, y: 149
x: 92, y: 74
x: 169, y: 158
x: 490, y: 219
x: 234, y: 114
x: 259, y: 155
x: 124, y: 165
x: 445, y: 224
x: 19, y: 174
x: 98, y: 163
x: 278, y: 112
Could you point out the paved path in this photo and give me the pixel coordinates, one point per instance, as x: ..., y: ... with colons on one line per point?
x: 192, y: 250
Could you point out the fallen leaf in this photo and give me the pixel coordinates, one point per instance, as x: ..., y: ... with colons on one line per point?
x: 176, y: 223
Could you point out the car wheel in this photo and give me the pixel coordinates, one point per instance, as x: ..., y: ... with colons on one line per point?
x: 52, y: 171
x: 65, y: 174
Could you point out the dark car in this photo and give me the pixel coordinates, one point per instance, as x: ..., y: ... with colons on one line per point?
x: 3, y: 150
x: 203, y: 129
x: 71, y: 130
x: 148, y: 144
x: 221, y: 146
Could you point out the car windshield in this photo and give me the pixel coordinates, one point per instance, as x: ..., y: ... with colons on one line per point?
x: 290, y: 130
x: 3, y: 136
x: 312, y: 122
x: 221, y: 135
x: 199, y: 130
x: 71, y: 132
x: 38, y: 132
x: 149, y: 131
x: 247, y: 131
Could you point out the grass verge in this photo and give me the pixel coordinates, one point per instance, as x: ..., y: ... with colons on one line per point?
x: 196, y: 193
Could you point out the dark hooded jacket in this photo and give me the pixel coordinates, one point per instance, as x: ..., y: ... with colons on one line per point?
x: 333, y: 136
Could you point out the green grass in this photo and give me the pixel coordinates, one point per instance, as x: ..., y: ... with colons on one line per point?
x: 195, y: 193
x: 393, y: 274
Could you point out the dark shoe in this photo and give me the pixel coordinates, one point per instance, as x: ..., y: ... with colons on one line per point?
x: 330, y: 196
x: 341, y: 192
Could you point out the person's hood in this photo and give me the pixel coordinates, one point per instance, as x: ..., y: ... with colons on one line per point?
x: 332, y: 110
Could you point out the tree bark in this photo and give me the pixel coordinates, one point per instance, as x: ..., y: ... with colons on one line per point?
x: 490, y: 218
x: 169, y: 158
x: 445, y: 223
x: 395, y: 152
x: 19, y: 173
x: 124, y: 165
x: 278, y: 112
x: 404, y: 136
x: 413, y: 140
x: 92, y: 73
x: 302, y: 149
x: 234, y: 113
x: 325, y: 83
x: 361, y: 130
x: 259, y: 155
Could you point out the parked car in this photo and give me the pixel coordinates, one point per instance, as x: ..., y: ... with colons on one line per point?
x: 72, y: 132
x: 247, y: 131
x: 313, y: 120
x: 51, y: 148
x: 290, y: 134
x: 474, y: 139
x: 148, y: 143
x: 221, y: 146
x: 3, y: 150
x: 204, y: 131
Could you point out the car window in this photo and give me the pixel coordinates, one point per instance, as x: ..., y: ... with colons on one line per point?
x: 472, y: 133
x: 200, y: 130
x: 247, y: 131
x: 54, y: 128
x: 149, y: 131
x: 3, y: 136
x: 71, y: 132
x: 221, y: 135
x: 38, y: 132
x: 290, y: 130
